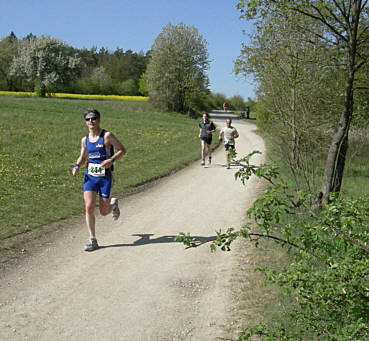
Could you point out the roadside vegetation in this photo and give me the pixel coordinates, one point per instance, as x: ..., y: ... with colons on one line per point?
x: 310, y: 63
x: 315, y: 273
x: 40, y: 141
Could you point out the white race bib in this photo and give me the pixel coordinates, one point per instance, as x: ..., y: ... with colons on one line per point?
x: 95, y: 169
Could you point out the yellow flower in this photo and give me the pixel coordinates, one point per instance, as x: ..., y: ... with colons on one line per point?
x: 63, y: 95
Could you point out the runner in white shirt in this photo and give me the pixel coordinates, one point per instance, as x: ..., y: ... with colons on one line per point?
x: 230, y: 134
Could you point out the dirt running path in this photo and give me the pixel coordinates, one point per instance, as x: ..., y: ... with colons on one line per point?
x: 140, y: 285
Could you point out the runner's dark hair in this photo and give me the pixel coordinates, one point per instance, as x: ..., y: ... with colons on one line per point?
x: 90, y: 110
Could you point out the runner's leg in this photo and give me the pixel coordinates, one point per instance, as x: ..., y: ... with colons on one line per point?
x: 104, y: 206
x: 202, y: 152
x: 202, y: 149
x: 90, y: 203
x: 209, y: 150
x: 105, y: 200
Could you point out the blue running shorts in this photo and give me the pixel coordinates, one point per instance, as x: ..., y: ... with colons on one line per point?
x: 228, y: 146
x: 101, y: 185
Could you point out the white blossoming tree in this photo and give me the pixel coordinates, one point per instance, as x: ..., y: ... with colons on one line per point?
x: 45, y: 61
x: 176, y: 73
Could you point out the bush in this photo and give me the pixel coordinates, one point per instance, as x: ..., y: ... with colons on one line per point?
x: 128, y: 88
x: 237, y: 103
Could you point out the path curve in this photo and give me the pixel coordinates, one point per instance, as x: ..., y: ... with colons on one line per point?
x: 140, y: 285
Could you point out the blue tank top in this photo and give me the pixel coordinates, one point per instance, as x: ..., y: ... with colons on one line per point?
x: 97, y: 152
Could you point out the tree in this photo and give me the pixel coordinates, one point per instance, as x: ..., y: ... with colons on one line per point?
x: 8, y: 47
x: 217, y: 100
x: 237, y: 102
x: 129, y: 87
x: 345, y: 28
x: 298, y: 88
x: 176, y: 73
x: 45, y: 61
x: 142, y: 86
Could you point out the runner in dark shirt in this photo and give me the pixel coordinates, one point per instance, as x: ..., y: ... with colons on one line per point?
x: 207, y: 128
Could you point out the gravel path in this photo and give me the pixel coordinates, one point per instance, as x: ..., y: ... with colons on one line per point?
x: 140, y: 285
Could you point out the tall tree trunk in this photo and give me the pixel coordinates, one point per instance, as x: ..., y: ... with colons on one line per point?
x: 293, y: 127
x: 42, y: 90
x: 335, y: 164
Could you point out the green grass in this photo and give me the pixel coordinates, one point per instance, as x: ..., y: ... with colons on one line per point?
x: 356, y: 176
x: 40, y: 140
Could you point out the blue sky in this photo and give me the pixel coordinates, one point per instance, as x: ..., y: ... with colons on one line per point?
x: 134, y: 24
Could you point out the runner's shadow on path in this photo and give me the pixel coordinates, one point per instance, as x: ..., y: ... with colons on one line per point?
x: 145, y: 239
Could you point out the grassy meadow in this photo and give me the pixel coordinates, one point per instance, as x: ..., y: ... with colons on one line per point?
x: 40, y: 140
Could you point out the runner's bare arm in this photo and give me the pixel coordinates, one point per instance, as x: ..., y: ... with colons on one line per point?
x: 82, y: 157
x: 111, y: 140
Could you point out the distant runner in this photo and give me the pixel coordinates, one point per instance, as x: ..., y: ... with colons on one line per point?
x: 225, y: 106
x: 207, y: 128
x: 248, y: 112
x: 97, y: 149
x: 230, y: 134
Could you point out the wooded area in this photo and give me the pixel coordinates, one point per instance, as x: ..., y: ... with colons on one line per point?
x: 94, y: 72
x: 173, y: 73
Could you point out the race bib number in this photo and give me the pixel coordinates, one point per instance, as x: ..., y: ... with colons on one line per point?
x: 95, y: 169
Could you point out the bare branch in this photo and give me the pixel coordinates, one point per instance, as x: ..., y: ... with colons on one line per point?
x: 348, y: 25
x: 322, y: 20
x: 365, y: 2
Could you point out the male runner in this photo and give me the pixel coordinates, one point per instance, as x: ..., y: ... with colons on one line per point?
x: 207, y: 128
x: 230, y: 134
x: 97, y: 149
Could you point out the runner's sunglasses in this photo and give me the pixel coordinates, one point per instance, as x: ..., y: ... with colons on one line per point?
x: 91, y: 119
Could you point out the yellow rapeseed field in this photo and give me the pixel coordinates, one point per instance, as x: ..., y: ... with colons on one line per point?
x: 62, y: 95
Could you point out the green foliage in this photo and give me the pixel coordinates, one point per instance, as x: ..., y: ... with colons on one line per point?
x: 142, y: 86
x: 115, y: 68
x: 327, y: 278
x: 216, y: 100
x: 128, y: 87
x: 8, y: 48
x: 45, y: 61
x: 176, y: 73
x: 237, y: 103
x: 299, y: 89
x: 277, y: 331
x: 337, y: 32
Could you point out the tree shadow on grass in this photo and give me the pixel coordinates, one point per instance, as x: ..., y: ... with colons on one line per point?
x: 146, y: 238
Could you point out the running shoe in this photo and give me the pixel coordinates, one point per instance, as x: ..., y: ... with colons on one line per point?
x: 209, y: 161
x: 91, y: 245
x: 116, y: 211
x: 203, y: 163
